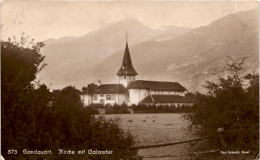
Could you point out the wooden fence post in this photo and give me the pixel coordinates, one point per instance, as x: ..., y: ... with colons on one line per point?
x: 221, y: 138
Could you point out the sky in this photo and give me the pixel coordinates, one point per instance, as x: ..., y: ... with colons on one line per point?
x: 43, y: 19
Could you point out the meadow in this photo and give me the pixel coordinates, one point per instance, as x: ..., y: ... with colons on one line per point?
x: 156, y: 128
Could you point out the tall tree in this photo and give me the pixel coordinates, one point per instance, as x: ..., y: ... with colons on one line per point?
x: 21, y: 62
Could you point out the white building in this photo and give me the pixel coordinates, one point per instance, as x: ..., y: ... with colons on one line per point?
x: 133, y: 92
x: 107, y: 94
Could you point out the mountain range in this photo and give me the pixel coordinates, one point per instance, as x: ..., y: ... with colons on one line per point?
x: 189, y: 56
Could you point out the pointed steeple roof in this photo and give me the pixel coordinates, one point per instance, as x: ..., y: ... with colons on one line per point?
x: 127, y: 66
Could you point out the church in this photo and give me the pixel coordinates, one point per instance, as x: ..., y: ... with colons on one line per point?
x: 131, y: 91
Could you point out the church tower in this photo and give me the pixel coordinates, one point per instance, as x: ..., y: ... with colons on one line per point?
x: 127, y: 72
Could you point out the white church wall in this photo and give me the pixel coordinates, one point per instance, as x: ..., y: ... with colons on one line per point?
x: 125, y: 80
x: 136, y: 95
x: 122, y: 98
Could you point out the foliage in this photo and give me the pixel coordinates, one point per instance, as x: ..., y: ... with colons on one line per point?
x: 141, y: 108
x: 161, y: 109
x: 232, y: 103
x: 35, y: 118
x: 21, y: 102
x: 117, y: 109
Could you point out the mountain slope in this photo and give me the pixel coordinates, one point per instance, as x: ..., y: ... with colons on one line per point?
x: 193, y: 57
x: 69, y: 58
x: 190, y: 58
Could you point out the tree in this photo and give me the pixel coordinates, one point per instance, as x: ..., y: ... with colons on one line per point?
x: 21, y: 62
x: 232, y: 103
x: 35, y: 118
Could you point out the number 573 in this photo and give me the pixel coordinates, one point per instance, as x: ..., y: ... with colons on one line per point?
x: 12, y: 151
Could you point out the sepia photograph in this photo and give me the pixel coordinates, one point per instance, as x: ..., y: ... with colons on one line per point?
x: 129, y: 80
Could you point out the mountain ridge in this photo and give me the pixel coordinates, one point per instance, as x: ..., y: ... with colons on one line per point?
x: 190, y: 58
x: 91, y: 48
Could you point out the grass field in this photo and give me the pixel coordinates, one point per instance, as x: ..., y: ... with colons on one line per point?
x: 164, y: 128
x: 154, y: 129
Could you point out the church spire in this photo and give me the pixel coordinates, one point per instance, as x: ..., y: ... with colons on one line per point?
x: 127, y: 66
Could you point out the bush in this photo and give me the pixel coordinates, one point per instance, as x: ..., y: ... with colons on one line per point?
x: 161, y: 109
x: 117, y: 109
x: 232, y: 103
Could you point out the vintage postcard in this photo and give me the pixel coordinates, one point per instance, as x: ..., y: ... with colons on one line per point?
x: 129, y: 80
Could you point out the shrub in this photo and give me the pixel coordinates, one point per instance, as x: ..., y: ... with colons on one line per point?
x: 161, y: 109
x: 117, y: 109
x: 232, y: 103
